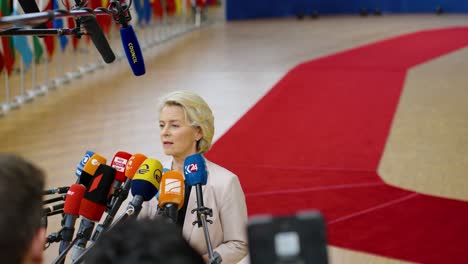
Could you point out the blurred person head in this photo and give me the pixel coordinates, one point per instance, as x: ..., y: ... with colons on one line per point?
x: 21, y: 189
x: 143, y: 241
x: 187, y: 124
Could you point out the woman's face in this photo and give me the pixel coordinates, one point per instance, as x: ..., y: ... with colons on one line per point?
x: 178, y: 137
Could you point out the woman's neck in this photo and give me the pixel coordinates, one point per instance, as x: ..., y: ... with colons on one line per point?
x: 178, y: 164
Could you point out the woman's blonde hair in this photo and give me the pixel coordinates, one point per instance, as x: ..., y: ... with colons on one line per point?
x: 197, y: 113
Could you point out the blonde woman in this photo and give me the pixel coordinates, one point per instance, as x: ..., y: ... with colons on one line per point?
x: 186, y: 127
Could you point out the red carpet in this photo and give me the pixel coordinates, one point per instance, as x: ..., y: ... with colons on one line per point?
x: 316, y: 139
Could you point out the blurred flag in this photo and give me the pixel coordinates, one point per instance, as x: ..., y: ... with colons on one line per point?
x: 157, y: 8
x: 21, y: 44
x: 139, y: 10
x: 178, y: 5
x: 38, y: 50
x: 170, y: 7
x: 49, y: 41
x: 71, y: 24
x: 7, y: 42
x: 58, y: 23
x: 147, y: 11
x: 1, y: 62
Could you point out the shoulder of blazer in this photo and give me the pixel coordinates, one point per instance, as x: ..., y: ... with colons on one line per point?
x: 218, y: 175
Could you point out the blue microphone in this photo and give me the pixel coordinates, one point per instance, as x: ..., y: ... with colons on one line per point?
x: 132, y: 50
x: 83, y: 162
x: 195, y: 170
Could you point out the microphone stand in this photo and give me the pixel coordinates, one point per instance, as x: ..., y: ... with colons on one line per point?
x: 60, y: 258
x: 202, y: 215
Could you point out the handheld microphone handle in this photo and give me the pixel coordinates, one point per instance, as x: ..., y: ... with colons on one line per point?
x: 132, y: 50
x: 118, y: 202
x: 171, y: 211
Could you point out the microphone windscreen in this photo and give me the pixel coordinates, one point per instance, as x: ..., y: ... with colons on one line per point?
x: 172, y: 189
x: 195, y: 170
x: 132, y: 50
x: 147, y: 179
x: 73, y: 199
x: 83, y: 162
x: 101, y: 184
x: 119, y: 162
x: 91, y: 211
x: 90, y: 168
x: 93, y: 163
x: 97, y: 36
x: 133, y: 164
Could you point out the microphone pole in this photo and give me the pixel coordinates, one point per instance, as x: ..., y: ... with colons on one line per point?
x: 62, y: 254
x: 202, y: 221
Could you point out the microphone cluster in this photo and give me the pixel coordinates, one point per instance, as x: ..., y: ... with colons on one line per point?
x: 102, y: 188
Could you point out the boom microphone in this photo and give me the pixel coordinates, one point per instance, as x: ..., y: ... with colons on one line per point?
x: 132, y: 50
x: 121, y: 13
x: 171, y: 194
x: 94, y: 31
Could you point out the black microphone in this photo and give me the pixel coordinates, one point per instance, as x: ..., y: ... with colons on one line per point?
x: 94, y: 31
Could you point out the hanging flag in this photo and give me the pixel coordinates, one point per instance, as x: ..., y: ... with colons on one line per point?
x: 7, y: 42
x: 138, y: 4
x: 49, y: 40
x: 178, y: 4
x: 38, y: 50
x: 21, y: 44
x: 71, y: 24
x: 58, y: 23
x: 147, y: 11
x: 170, y: 7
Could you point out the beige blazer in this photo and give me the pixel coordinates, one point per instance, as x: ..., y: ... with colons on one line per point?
x: 223, y: 194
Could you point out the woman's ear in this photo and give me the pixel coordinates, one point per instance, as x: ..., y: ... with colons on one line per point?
x: 198, y: 134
